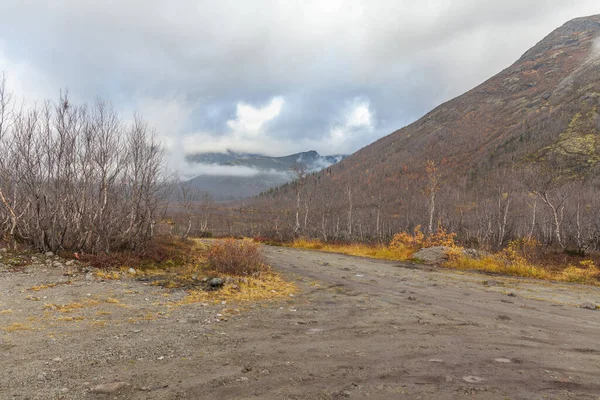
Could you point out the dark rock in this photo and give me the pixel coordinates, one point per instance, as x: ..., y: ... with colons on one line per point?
x: 216, y: 282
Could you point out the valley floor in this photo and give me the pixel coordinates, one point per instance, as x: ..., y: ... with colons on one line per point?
x: 358, y: 328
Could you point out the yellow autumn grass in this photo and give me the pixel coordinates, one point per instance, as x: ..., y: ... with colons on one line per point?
x: 42, y: 287
x: 64, y: 308
x: 401, y: 253
x: 266, y: 286
x: 496, y: 265
x: 17, y: 327
x: 510, y: 261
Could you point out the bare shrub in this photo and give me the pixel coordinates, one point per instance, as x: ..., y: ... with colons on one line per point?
x: 236, y: 257
x: 77, y: 177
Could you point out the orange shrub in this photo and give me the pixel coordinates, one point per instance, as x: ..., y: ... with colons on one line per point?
x: 236, y: 257
x: 419, y: 240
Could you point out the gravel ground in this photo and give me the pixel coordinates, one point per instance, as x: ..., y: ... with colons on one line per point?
x: 358, y: 328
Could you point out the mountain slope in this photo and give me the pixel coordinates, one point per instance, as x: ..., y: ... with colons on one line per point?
x: 542, y: 110
x: 545, y: 103
x: 512, y: 116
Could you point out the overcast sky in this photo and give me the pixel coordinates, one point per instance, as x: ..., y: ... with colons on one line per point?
x: 271, y: 77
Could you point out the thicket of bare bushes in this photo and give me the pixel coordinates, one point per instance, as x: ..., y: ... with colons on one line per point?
x: 236, y: 257
x: 77, y: 177
x: 545, y: 201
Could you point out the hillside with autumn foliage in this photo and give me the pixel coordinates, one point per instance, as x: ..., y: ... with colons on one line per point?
x: 514, y: 157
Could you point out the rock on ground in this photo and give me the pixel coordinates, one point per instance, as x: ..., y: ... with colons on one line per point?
x: 109, y: 388
x: 432, y: 255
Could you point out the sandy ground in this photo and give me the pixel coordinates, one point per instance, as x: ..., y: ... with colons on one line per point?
x: 358, y: 328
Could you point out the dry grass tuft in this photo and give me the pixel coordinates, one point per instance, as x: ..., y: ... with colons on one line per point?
x: 42, y: 287
x: 497, y: 265
x: 70, y: 319
x: 108, y: 275
x: 355, y: 249
x: 64, y: 308
x: 267, y: 286
x: 17, y: 327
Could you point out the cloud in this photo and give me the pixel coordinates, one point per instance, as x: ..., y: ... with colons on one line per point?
x: 270, y: 76
x: 245, y: 132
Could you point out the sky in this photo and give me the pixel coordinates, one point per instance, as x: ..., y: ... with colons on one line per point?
x: 268, y: 76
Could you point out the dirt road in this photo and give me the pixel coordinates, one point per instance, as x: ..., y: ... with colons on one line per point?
x: 359, y: 328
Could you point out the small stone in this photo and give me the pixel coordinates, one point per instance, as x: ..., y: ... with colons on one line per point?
x: 436, y: 360
x: 161, y: 358
x: 242, y: 379
x: 216, y: 282
x: 64, y: 390
x: 502, y: 360
x: 473, y: 379
x: 588, y: 306
x: 132, y: 271
x: 57, y: 359
x: 109, y: 388
x: 70, y: 263
x: 265, y: 372
x: 49, y: 254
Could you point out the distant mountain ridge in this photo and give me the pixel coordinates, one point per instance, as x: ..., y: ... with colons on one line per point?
x: 313, y: 160
x: 270, y: 171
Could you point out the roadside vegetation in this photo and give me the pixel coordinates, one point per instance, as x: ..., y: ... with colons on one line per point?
x: 522, y: 257
x: 216, y: 270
